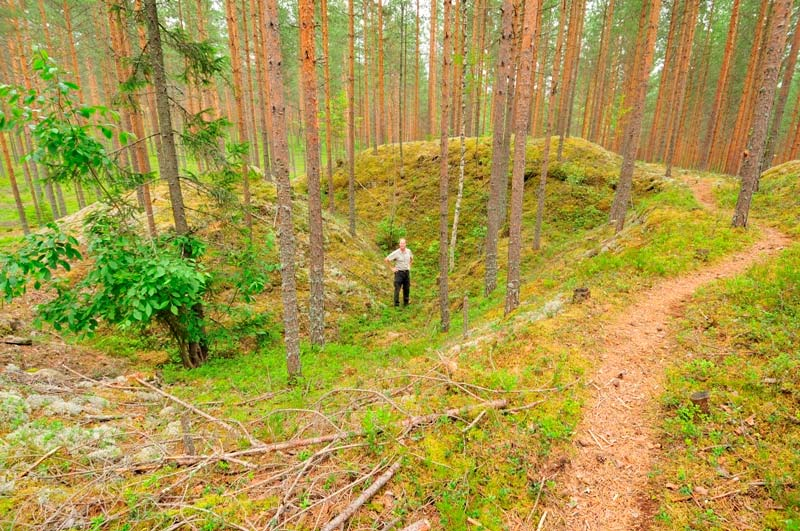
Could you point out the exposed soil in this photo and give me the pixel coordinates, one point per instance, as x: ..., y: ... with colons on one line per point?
x: 604, y: 487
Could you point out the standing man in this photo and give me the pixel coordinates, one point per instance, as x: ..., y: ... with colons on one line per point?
x: 400, y: 261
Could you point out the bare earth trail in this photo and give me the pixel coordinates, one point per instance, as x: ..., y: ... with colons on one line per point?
x: 605, y: 485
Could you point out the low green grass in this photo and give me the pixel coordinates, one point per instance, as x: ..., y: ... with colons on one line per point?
x: 490, y: 473
x: 777, y: 201
x: 740, y: 341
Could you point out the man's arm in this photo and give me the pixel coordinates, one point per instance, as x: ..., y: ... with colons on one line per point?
x: 388, y: 260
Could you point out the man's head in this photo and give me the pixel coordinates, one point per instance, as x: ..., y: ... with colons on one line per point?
x: 402, y: 244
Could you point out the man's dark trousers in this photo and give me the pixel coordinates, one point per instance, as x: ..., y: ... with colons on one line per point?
x: 401, y: 278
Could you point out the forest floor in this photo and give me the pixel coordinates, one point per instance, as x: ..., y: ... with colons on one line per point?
x: 550, y: 414
x: 606, y: 484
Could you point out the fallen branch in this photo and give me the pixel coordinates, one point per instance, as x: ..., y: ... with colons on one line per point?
x: 368, y: 493
x: 38, y: 462
x: 196, y: 410
x: 408, y: 424
x: 422, y: 525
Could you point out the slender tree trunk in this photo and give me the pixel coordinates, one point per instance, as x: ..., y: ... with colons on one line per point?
x: 432, y: 72
x: 380, y: 123
x: 195, y: 350
x: 463, y: 143
x: 570, y: 72
x: 522, y: 116
x: 780, y: 104
x: 77, y: 73
x: 238, y: 97
x: 647, y: 37
x: 766, y: 92
x: 715, y: 117
x: 416, y: 110
x: 280, y: 159
x: 308, y: 72
x: 351, y: 118
x: 261, y: 65
x: 327, y: 74
x: 23, y: 220
x: 734, y: 148
x: 551, y: 110
x: 687, y: 43
x: 447, y: 54
x: 499, y: 156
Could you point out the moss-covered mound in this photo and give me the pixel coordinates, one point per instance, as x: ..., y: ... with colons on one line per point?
x: 579, y: 193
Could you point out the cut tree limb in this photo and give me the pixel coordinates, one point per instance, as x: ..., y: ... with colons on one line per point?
x: 198, y: 411
x: 422, y: 525
x: 368, y: 493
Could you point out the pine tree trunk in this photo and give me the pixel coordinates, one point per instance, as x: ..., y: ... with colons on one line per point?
x: 648, y: 26
x: 499, y: 156
x: 766, y: 92
x: 238, y: 98
x: 194, y: 351
x: 780, y: 104
x: 280, y: 159
x: 734, y: 148
x: 327, y: 74
x: 715, y: 117
x: 432, y: 72
x: 522, y: 115
x: 676, y: 107
x: 380, y: 122
x: 309, y: 89
x: 351, y: 118
x: 551, y: 110
x: 23, y: 220
x: 444, y: 210
x: 416, y: 109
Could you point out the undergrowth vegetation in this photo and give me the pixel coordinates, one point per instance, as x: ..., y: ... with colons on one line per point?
x: 739, y: 341
x: 477, y: 467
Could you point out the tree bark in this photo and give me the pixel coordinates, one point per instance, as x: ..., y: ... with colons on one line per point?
x: 551, y: 110
x: 286, y: 241
x: 715, y: 117
x: 499, y: 156
x: 780, y: 104
x: 462, y: 143
x: 676, y: 107
x: 351, y: 118
x: 323, y: 6
x: 432, y: 72
x: 23, y: 220
x: 764, y: 98
x: 316, y: 309
x: 647, y: 37
x: 521, y: 119
x: 238, y: 98
x: 444, y: 304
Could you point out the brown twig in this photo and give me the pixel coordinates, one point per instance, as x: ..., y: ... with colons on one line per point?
x: 38, y: 462
x: 200, y: 412
x: 368, y: 493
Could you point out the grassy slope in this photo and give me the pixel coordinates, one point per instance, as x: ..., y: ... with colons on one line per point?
x: 740, y: 340
x: 520, y: 352
x: 491, y: 472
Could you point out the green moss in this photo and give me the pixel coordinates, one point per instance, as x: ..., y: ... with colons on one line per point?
x: 742, y: 338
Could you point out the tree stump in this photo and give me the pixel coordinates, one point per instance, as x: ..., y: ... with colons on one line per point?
x: 580, y: 295
x: 701, y: 400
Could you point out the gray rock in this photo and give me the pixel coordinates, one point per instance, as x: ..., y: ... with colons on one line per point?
x: 147, y: 396
x: 39, y: 401
x: 173, y: 430
x: 148, y: 454
x: 49, y: 375
x: 168, y: 411
x: 60, y: 407
x: 110, y: 453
